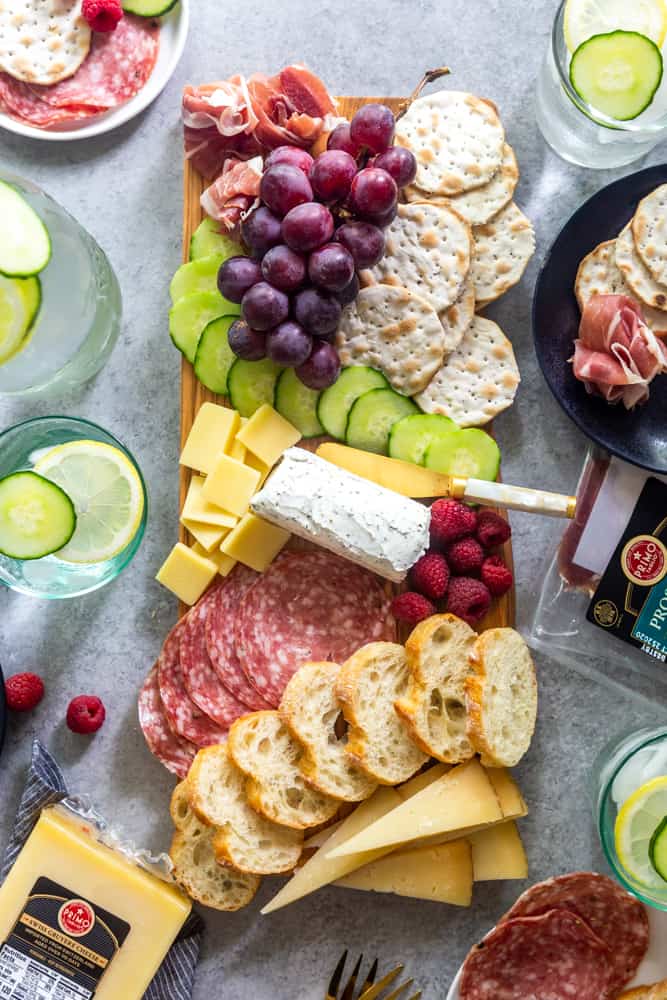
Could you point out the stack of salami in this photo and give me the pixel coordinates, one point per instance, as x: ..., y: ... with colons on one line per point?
x: 235, y: 650
x: 578, y: 936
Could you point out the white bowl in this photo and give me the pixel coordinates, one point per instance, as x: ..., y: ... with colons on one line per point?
x: 173, y: 33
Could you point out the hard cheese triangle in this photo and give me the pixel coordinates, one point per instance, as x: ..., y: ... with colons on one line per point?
x: 442, y: 874
x: 497, y: 853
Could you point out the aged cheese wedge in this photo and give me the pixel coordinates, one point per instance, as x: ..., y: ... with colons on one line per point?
x: 267, y: 435
x: 212, y: 433
x: 321, y: 870
x: 442, y: 874
x: 422, y: 780
x: 497, y: 853
x: 511, y: 800
x: 186, y: 574
x: 254, y: 542
x: 197, y: 508
x: 230, y: 485
x: 461, y: 799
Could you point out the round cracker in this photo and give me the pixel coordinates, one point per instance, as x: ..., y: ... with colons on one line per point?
x: 502, y: 250
x: 635, y: 272
x: 395, y: 331
x: 42, y: 41
x: 457, y: 139
x: 599, y: 274
x: 457, y: 319
x: 476, y: 382
x: 428, y: 251
x: 649, y: 228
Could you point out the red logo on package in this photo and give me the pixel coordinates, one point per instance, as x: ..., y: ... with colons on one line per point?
x: 644, y: 560
x: 76, y: 918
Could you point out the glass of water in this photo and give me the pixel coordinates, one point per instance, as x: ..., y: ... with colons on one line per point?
x: 579, y: 131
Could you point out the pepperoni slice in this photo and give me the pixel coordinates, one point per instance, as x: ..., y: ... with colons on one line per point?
x: 309, y: 605
x: 182, y: 714
x: 175, y: 753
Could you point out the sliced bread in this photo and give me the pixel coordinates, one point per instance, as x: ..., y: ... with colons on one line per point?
x: 243, y: 838
x: 656, y: 991
x: 501, y: 697
x: 204, y: 880
x: 261, y: 746
x: 180, y: 809
x: 378, y: 739
x: 312, y: 713
x: 438, y: 653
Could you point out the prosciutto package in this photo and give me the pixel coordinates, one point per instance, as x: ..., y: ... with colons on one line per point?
x: 616, y: 355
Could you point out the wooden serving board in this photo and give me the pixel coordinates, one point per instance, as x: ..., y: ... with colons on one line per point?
x: 193, y: 393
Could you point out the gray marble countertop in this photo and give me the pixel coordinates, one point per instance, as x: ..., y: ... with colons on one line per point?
x: 125, y: 188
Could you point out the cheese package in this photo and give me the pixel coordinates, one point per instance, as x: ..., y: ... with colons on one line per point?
x: 267, y: 435
x: 212, y: 433
x: 186, y: 574
x: 80, y: 919
x: 442, y: 874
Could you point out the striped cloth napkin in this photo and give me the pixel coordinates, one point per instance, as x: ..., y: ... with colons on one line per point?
x: 45, y: 785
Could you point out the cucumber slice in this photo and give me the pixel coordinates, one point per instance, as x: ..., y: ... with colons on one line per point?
x: 36, y: 516
x: 412, y: 436
x: 472, y: 453
x: 214, y: 356
x: 20, y: 299
x: 617, y: 73
x: 298, y: 404
x: 372, y: 417
x: 657, y: 849
x: 337, y: 401
x: 148, y: 8
x: 250, y: 384
x: 197, y: 276
x: 25, y: 244
x: 191, y: 315
x: 208, y: 240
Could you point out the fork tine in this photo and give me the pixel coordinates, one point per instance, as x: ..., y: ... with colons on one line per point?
x: 370, y: 978
x: 374, y: 992
x: 348, y: 992
x: 336, y: 978
x: 401, y: 989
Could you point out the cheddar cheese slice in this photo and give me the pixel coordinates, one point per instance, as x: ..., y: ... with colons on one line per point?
x: 441, y: 874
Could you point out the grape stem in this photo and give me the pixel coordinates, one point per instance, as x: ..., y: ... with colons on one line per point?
x: 430, y: 76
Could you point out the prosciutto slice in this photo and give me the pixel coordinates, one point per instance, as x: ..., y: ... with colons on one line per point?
x: 235, y: 193
x: 616, y: 355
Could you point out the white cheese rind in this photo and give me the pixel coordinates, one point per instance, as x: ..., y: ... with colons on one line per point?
x: 353, y: 517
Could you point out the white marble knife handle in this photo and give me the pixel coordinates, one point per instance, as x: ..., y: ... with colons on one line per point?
x: 513, y: 497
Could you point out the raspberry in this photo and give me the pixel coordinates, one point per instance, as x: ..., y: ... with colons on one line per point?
x: 23, y: 692
x: 492, y: 529
x: 85, y: 714
x: 465, y: 557
x: 102, y: 15
x: 411, y: 608
x: 468, y: 598
x: 430, y: 576
x: 450, y: 520
x: 496, y: 575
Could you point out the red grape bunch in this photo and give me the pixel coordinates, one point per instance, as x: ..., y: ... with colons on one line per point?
x: 319, y: 222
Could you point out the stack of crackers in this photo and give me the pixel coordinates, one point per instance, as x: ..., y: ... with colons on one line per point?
x: 43, y: 41
x: 634, y: 264
x: 459, y: 243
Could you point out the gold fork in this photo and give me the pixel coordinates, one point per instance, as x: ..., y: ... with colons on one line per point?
x: 369, y: 989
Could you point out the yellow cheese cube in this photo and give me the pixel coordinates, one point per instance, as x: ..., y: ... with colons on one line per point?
x: 208, y: 535
x: 186, y: 574
x: 237, y: 450
x: 196, y: 508
x: 224, y: 563
x: 267, y: 435
x: 442, y: 874
x: 230, y: 485
x: 255, y: 542
x: 134, y: 915
x: 255, y: 463
x: 212, y: 433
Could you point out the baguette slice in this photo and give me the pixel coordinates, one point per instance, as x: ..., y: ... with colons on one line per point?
x: 261, y: 746
x: 501, y: 697
x: 310, y: 710
x: 378, y: 739
x: 438, y: 652
x: 243, y: 839
x: 180, y: 809
x: 204, y: 880
x: 657, y: 991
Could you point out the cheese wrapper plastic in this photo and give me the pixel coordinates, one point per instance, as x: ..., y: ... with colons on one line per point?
x: 90, y: 916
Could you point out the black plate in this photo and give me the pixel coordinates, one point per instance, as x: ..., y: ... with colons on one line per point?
x: 638, y: 436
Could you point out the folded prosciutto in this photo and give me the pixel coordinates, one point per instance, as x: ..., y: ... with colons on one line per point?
x: 616, y: 354
x: 235, y: 193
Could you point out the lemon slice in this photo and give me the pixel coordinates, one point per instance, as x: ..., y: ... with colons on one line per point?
x: 585, y: 18
x: 636, y: 823
x: 107, y: 494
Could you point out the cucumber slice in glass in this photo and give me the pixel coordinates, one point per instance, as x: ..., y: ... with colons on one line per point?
x: 208, y: 240
x: 20, y: 299
x: 372, y: 417
x: 298, y: 404
x: 197, y: 276
x: 657, y: 850
x: 412, y: 436
x: 471, y: 453
x: 214, y: 356
x: 25, y: 244
x: 336, y: 402
x: 251, y: 384
x: 148, y: 8
x: 37, y: 517
x: 191, y: 315
x: 617, y: 73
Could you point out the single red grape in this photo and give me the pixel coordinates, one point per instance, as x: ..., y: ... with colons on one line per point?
x: 332, y: 175
x: 308, y: 226
x: 284, y: 268
x: 340, y: 138
x: 349, y: 293
x: 264, y: 306
x: 260, y: 231
x: 383, y: 219
x: 364, y: 241
x: 284, y: 186
x: 331, y: 267
x: 296, y: 157
x: 317, y: 312
x: 322, y: 367
x: 373, y: 192
x: 246, y: 343
x: 399, y: 163
x: 236, y: 276
x: 289, y: 344
x: 373, y: 127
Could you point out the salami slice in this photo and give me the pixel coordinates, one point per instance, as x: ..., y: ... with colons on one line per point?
x: 220, y: 637
x: 201, y: 681
x: 17, y: 100
x: 176, y: 754
x: 182, y: 714
x: 555, y: 956
x: 615, y: 916
x: 309, y: 605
